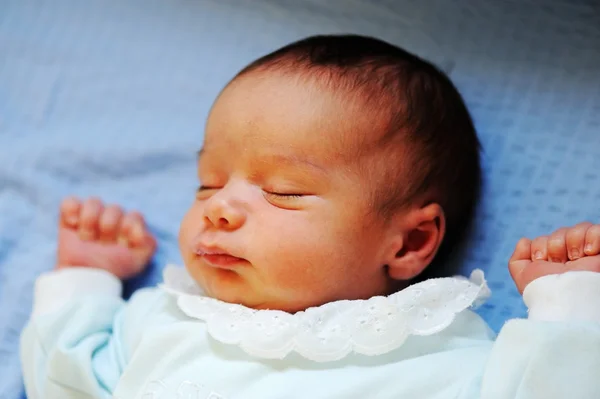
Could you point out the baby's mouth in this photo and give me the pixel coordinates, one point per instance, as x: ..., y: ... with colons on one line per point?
x: 218, y: 258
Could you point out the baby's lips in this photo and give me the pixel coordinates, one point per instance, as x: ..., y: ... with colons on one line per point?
x: 199, y: 246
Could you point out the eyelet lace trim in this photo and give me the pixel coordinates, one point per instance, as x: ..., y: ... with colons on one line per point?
x: 330, y: 332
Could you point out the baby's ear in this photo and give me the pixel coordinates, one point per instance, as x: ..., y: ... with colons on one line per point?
x: 414, y: 241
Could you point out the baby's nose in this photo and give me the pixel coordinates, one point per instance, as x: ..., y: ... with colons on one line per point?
x: 223, y: 214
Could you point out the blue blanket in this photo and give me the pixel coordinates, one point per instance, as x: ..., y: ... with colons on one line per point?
x: 109, y: 97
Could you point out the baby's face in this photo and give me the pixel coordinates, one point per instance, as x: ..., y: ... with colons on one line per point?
x: 282, y: 221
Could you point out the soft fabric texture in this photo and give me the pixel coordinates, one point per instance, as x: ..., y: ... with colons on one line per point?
x: 109, y: 97
x: 160, y: 345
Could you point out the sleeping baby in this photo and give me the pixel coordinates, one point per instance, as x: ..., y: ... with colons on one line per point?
x: 337, y: 175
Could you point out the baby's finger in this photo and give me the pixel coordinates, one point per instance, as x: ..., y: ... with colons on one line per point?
x: 146, y: 248
x: 522, y: 250
x: 110, y: 222
x: 69, y: 212
x: 133, y: 230
x: 520, y: 259
x: 90, y: 214
x: 539, y: 248
x: 592, y: 240
x: 557, y: 250
x: 575, y: 240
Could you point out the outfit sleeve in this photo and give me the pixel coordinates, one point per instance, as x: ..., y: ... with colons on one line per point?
x: 74, y: 344
x: 555, y: 353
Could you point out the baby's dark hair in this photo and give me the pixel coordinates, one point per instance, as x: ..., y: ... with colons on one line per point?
x: 421, y: 109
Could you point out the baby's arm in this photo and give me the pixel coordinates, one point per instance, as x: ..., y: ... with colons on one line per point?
x: 556, y: 352
x: 74, y: 342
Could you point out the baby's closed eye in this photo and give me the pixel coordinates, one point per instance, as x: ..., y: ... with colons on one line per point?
x: 286, y: 199
x: 282, y: 194
x: 204, y: 192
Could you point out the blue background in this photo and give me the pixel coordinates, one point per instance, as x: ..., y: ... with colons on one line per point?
x: 109, y: 98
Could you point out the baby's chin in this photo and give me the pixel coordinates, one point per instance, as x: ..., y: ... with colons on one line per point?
x: 224, y: 285
x: 230, y: 287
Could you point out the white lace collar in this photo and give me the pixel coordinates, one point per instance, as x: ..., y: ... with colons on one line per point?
x: 331, y: 331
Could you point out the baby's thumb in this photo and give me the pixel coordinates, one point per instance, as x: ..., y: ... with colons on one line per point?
x: 516, y: 269
x: 519, y: 260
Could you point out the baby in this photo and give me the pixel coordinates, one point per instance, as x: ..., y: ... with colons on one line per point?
x: 334, y: 172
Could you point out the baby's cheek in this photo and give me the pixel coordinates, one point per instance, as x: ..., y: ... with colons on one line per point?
x: 190, y: 226
x: 297, y: 252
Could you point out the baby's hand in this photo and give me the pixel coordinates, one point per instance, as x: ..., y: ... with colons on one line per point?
x: 567, y: 249
x: 93, y: 235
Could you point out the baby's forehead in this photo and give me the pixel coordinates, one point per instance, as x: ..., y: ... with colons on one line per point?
x: 293, y: 115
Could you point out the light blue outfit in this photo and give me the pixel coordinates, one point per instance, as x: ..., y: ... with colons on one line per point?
x: 84, y: 341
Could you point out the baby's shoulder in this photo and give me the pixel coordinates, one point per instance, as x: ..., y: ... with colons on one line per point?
x: 150, y: 307
x: 147, y: 311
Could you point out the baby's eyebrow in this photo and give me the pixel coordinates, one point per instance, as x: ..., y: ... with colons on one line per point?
x: 280, y: 159
x: 292, y: 161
